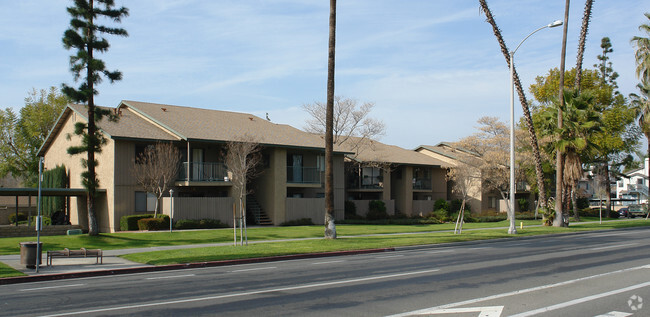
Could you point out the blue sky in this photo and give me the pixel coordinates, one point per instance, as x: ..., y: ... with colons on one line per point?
x: 432, y: 67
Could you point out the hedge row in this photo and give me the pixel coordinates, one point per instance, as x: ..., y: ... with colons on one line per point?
x: 130, y: 223
x: 199, y: 224
x: 153, y: 224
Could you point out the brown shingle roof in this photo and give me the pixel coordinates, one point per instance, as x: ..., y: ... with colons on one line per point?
x: 130, y: 125
x: 374, y: 151
x: 204, y: 124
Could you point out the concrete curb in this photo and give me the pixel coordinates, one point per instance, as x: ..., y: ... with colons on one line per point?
x: 144, y: 269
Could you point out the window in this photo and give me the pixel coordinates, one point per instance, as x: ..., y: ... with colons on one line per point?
x: 493, y: 202
x: 144, y: 202
x: 320, y: 161
x: 639, y: 181
x: 371, y: 176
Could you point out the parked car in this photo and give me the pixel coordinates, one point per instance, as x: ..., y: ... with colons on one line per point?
x: 623, y: 212
x: 637, y: 210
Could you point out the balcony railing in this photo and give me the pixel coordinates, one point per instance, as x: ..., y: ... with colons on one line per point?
x: 421, y: 183
x: 638, y: 188
x: 303, y: 175
x: 203, y: 172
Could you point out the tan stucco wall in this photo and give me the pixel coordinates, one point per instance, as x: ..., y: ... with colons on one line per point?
x: 270, y: 187
x: 57, y: 155
x: 403, y: 190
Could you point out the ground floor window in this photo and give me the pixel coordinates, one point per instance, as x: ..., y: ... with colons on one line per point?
x: 145, y: 202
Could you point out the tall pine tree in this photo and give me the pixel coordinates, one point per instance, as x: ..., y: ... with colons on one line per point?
x: 85, y: 36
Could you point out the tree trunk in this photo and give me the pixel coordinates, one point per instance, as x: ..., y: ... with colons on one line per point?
x: 539, y: 172
x: 559, y: 220
x: 330, y: 227
x: 582, y: 41
x: 92, y: 178
x: 608, y: 188
x: 574, y: 202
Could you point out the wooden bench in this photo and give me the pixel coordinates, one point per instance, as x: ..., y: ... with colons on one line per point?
x: 82, y: 253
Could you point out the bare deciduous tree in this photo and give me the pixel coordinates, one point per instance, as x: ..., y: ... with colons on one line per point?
x: 156, y: 169
x: 465, y: 177
x: 242, y: 156
x: 492, y: 143
x: 352, y: 124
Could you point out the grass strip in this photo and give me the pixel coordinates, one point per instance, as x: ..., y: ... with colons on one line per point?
x: 268, y: 249
x: 7, y: 271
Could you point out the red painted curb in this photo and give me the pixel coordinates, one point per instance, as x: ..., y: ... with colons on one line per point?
x: 53, y: 277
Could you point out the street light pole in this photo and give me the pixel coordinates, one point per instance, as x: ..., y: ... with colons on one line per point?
x: 513, y: 228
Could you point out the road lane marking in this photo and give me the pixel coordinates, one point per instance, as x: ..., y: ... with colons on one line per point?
x: 255, y: 269
x: 439, y: 251
x: 389, y: 256
x: 171, y: 276
x: 519, y: 292
x: 489, y: 311
x: 327, y: 262
x: 580, y: 300
x: 613, y: 246
x: 50, y: 287
x: 615, y: 314
x: 264, y: 291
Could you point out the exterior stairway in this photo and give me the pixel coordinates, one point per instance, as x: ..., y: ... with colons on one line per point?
x: 254, y: 208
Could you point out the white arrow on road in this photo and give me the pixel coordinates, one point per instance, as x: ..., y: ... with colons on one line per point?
x: 489, y: 311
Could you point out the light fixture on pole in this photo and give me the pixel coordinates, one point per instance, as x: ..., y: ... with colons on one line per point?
x: 513, y: 228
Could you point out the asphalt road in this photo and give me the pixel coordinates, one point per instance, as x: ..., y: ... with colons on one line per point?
x: 592, y: 274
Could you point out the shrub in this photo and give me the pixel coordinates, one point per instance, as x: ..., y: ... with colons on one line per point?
x: 153, y: 224
x: 199, y: 224
x: 21, y: 217
x: 523, y: 204
x: 440, y: 214
x: 441, y: 204
x: 455, y: 206
x: 298, y: 222
x: 59, y: 218
x: 376, y: 210
x: 130, y: 223
x: 47, y: 221
x: 466, y: 217
x: 583, y: 202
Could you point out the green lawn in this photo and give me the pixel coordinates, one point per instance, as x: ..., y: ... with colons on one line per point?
x: 152, y: 239
x: 429, y: 234
x: 353, y: 243
x: 6, y: 271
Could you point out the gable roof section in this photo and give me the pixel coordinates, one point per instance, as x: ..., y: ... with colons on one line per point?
x: 447, y: 149
x: 130, y: 126
x: 374, y: 151
x: 214, y: 125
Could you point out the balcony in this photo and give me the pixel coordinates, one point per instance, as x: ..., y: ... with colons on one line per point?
x: 422, y: 184
x: 203, y: 172
x: 303, y: 175
x: 638, y: 189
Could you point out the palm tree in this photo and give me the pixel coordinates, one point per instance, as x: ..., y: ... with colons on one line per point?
x: 539, y: 171
x: 641, y: 105
x: 582, y: 41
x: 642, y: 54
x: 559, y: 169
x: 580, y: 121
x: 330, y: 227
